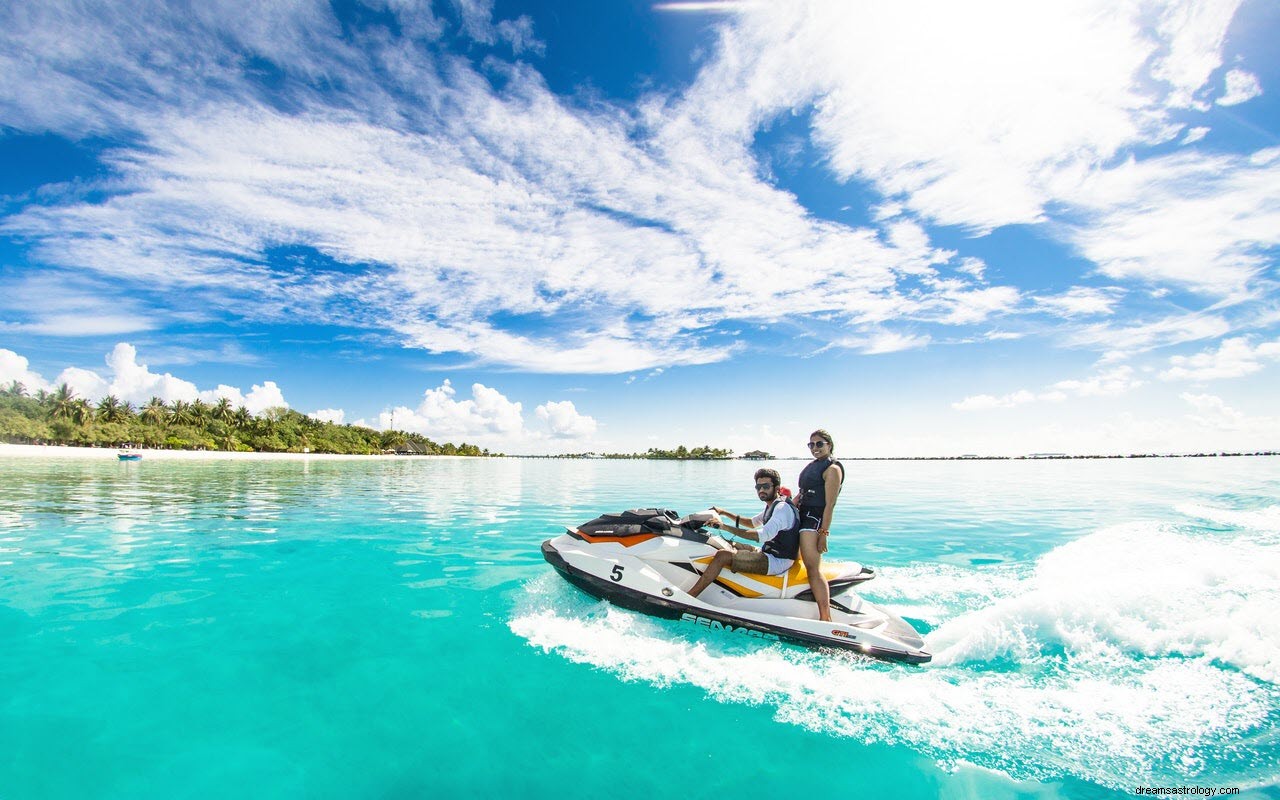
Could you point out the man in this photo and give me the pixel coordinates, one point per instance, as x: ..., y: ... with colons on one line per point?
x: 777, y: 528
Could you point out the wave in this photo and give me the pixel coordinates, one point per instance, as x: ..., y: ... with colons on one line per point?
x: 1138, y: 653
x: 1143, y: 589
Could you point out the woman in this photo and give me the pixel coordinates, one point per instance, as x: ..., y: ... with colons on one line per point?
x: 819, y: 486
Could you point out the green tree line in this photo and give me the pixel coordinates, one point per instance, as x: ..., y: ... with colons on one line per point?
x: 681, y: 453
x: 60, y: 417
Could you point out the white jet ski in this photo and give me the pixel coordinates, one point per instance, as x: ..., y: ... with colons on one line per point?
x: 648, y: 560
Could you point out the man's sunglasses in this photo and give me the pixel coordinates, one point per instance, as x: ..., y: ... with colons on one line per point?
x: 760, y: 487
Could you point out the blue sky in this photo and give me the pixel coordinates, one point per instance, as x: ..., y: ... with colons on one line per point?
x: 933, y: 228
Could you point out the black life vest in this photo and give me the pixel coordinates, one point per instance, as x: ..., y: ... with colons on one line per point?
x: 786, y: 544
x: 813, y: 489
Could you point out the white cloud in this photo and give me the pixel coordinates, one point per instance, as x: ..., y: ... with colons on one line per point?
x: 986, y: 402
x: 487, y: 416
x: 133, y: 382
x: 1205, y: 222
x: 524, y: 204
x: 881, y: 341
x: 1214, y: 414
x: 1030, y: 91
x: 14, y: 367
x: 1241, y: 87
x: 1234, y: 358
x: 1115, y: 381
x: 1172, y: 330
x: 1081, y: 301
x: 1194, y: 135
x: 334, y: 415
x: 447, y: 205
x: 268, y: 395
x: 564, y: 421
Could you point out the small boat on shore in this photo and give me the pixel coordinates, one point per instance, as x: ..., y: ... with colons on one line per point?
x: 129, y: 455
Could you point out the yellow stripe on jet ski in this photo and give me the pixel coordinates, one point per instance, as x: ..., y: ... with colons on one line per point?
x: 794, y: 576
x: 739, y: 588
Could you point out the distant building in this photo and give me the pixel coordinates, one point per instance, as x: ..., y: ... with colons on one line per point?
x: 756, y: 455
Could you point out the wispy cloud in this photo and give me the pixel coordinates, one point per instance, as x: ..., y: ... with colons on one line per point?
x: 1081, y: 301
x: 1115, y: 381
x: 442, y: 199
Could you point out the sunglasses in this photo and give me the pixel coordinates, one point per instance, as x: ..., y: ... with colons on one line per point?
x: 760, y: 487
x: 817, y: 444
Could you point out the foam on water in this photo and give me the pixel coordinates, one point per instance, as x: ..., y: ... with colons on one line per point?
x: 1138, y: 653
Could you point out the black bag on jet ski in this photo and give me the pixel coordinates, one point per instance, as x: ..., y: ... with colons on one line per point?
x: 630, y: 523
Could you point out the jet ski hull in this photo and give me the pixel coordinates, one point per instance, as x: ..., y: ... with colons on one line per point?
x: 656, y: 589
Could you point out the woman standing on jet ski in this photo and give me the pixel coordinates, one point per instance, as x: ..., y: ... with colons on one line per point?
x: 819, y: 486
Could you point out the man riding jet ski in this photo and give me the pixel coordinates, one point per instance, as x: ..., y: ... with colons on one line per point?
x: 651, y: 560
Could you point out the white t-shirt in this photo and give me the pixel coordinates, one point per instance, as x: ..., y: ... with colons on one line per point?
x: 784, y: 516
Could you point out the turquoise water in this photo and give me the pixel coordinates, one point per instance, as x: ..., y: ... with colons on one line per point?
x: 388, y: 629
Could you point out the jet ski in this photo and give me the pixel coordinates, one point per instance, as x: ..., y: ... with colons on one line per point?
x: 648, y: 559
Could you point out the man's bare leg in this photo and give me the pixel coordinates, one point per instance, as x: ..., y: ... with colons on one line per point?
x: 722, y: 559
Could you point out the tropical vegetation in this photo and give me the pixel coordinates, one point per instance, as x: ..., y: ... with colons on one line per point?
x: 60, y: 417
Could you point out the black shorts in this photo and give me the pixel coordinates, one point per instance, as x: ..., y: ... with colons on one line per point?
x: 810, y: 518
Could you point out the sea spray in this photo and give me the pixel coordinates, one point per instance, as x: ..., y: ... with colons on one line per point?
x: 1139, y: 653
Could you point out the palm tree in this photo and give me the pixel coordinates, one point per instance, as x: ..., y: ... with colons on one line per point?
x: 127, y: 411
x: 109, y: 409
x: 16, y: 389
x: 242, y: 417
x: 63, y: 403
x: 199, y: 411
x: 154, y: 412
x: 81, y: 411
x: 223, y: 412
x: 180, y: 413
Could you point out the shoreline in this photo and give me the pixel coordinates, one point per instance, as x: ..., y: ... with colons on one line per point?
x: 71, y: 452
x: 109, y: 454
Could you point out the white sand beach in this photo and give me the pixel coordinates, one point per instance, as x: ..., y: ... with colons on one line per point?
x: 109, y: 454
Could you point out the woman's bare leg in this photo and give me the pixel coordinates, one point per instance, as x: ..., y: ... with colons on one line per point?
x: 813, y: 565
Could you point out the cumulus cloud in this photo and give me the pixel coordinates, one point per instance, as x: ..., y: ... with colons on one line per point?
x: 1241, y: 87
x: 260, y: 398
x: 564, y: 421
x: 14, y: 367
x: 1234, y: 358
x: 485, y: 415
x: 335, y: 415
x: 134, y: 382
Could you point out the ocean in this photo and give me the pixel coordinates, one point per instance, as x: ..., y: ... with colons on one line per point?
x: 388, y: 629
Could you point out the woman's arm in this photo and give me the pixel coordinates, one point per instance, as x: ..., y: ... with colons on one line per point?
x: 832, y: 479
